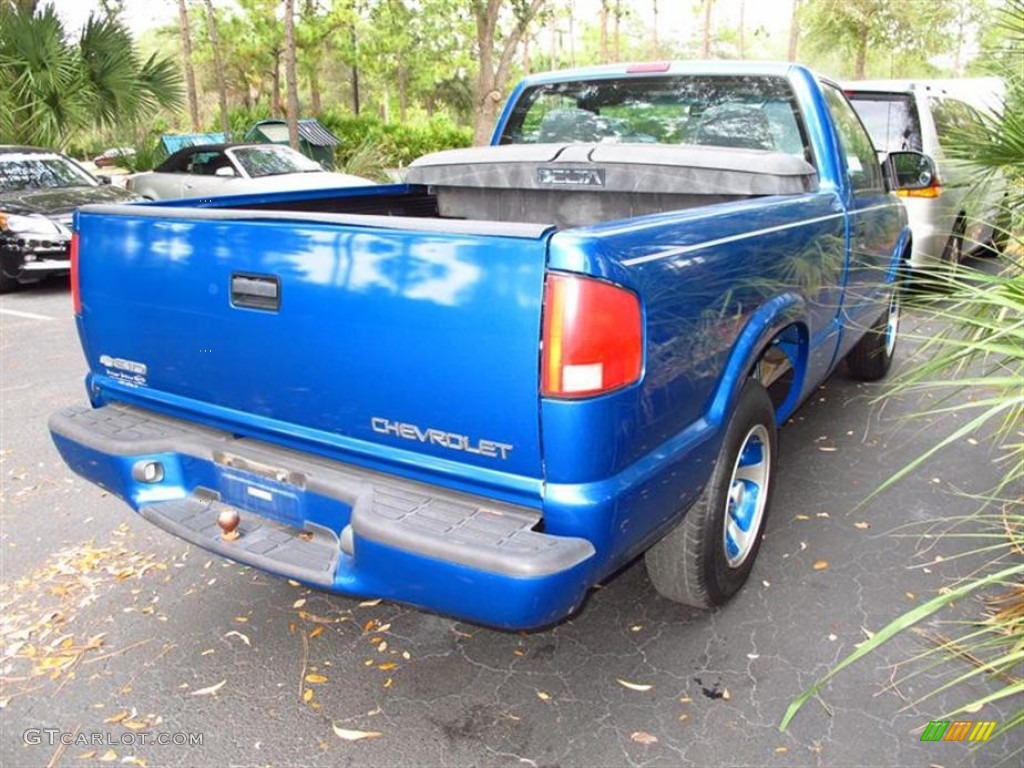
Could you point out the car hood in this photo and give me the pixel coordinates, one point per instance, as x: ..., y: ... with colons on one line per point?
x: 63, y: 200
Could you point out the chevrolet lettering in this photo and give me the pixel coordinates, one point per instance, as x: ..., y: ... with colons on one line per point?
x: 619, y: 299
x: 439, y: 437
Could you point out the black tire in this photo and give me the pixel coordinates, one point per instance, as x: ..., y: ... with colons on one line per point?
x: 996, y: 245
x: 871, y: 358
x: 694, y: 563
x: 954, y: 250
x: 8, y: 284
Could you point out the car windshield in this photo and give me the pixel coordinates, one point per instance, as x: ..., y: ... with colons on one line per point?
x: 272, y: 161
x: 751, y: 112
x: 891, y: 119
x: 34, y: 171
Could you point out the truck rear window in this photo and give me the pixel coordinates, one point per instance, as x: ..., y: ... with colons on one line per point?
x: 891, y: 119
x: 751, y: 112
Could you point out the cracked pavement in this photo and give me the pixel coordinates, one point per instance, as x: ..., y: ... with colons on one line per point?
x: 195, y: 644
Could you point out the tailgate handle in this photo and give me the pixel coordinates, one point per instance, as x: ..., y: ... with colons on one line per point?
x: 256, y: 291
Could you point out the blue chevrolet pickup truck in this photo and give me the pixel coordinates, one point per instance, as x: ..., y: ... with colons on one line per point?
x: 485, y: 389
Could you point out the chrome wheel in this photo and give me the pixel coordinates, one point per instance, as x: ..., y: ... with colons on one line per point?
x: 748, y: 496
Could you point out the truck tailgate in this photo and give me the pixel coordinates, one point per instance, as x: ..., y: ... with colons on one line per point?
x: 425, y: 343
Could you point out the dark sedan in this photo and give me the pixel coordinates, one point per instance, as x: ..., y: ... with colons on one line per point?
x: 39, y: 190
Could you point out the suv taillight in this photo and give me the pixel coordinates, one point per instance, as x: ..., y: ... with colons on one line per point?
x: 76, y: 297
x: 592, y: 337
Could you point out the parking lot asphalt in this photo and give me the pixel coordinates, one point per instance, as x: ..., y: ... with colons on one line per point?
x: 118, y: 634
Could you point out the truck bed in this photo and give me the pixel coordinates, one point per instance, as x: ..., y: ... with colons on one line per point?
x: 571, y: 185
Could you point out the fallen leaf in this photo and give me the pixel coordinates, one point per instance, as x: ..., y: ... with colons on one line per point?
x: 862, y: 526
x: 974, y: 707
x: 241, y: 619
x: 543, y: 696
x: 87, y: 755
x: 801, y: 517
x: 209, y: 689
x: 307, y: 695
x: 387, y: 665
x: 781, y: 750
x: 239, y: 635
x: 294, y: 583
x: 133, y: 760
x: 833, y: 636
x: 910, y: 596
x: 314, y: 678
x: 134, y: 725
x: 369, y: 603
x: 351, y: 735
x: 633, y: 686
x: 753, y: 656
x: 317, y: 631
x: 820, y: 565
x: 120, y: 716
x: 368, y: 626
x: 821, y: 514
x: 299, y: 603
x: 827, y: 448
x: 383, y: 646
x: 383, y: 627
x: 108, y: 757
x: 642, y: 737
x: 726, y: 695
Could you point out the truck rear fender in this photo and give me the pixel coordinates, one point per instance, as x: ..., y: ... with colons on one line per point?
x: 782, y: 320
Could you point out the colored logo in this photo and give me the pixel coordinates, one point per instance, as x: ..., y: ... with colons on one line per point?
x: 958, y: 730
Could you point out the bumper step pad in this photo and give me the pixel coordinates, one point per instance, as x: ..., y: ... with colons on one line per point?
x: 309, y: 555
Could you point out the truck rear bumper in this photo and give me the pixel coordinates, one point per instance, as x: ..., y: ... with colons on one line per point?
x: 335, y: 526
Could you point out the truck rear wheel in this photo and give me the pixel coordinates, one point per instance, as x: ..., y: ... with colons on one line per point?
x: 707, y: 558
x: 871, y: 358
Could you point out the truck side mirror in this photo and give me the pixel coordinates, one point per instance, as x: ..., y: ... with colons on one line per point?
x: 910, y: 170
x: 226, y: 171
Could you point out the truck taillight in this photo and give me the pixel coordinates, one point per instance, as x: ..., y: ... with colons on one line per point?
x: 592, y: 337
x: 76, y: 297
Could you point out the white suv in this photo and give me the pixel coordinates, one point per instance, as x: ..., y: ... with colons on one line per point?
x: 946, y: 221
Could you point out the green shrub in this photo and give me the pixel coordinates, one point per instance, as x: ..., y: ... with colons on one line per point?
x: 397, y: 144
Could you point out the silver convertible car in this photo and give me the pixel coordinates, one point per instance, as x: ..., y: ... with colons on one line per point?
x: 211, y: 170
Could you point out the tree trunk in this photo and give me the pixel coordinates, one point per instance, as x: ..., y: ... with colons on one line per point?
x: 190, y: 73
x: 654, y: 30
x: 494, y: 75
x: 705, y: 38
x: 222, y: 88
x: 616, y: 36
x: 794, y: 30
x: 743, y: 30
x: 403, y: 92
x: 862, y: 52
x: 602, y: 49
x: 355, y: 71
x: 572, y: 34
x: 290, y: 78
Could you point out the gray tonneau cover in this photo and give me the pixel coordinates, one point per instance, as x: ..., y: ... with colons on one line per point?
x: 568, y: 184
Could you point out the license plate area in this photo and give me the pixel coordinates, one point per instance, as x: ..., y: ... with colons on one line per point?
x: 268, y: 498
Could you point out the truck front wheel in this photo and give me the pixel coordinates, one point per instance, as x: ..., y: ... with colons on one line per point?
x: 707, y: 558
x: 871, y: 357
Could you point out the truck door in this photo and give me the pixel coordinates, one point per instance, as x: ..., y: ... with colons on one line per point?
x: 873, y: 224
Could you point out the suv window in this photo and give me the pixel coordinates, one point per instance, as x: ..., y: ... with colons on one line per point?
x: 891, y: 119
x: 953, y: 119
x: 861, y: 159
